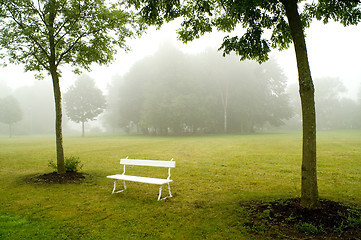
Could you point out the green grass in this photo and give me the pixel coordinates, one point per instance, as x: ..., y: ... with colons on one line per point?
x: 212, y: 175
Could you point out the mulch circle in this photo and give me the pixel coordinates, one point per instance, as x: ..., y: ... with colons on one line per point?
x: 54, y: 177
x: 287, y: 219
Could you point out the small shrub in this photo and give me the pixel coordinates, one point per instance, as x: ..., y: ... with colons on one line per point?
x: 72, y: 164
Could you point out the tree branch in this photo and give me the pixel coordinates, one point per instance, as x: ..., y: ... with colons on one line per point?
x: 13, y: 17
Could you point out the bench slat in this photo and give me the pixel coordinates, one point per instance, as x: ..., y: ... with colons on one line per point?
x: 150, y: 163
x: 158, y: 181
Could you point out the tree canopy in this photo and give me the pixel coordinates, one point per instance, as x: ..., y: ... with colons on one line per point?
x: 41, y: 33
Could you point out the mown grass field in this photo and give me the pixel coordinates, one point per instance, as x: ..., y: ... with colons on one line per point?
x: 213, y: 175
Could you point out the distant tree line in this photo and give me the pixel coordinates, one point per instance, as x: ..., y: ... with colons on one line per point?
x: 175, y: 93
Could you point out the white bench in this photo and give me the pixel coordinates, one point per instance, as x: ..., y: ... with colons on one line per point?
x: 150, y: 163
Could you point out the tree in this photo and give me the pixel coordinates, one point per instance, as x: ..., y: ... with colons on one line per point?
x: 46, y: 34
x: 84, y: 101
x: 10, y: 112
x: 286, y: 24
x: 357, y: 117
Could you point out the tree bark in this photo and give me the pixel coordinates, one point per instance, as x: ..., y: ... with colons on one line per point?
x: 58, y: 123
x: 57, y: 93
x: 309, y: 189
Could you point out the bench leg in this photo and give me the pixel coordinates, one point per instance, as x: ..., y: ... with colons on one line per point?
x: 170, y: 194
x: 160, y: 192
x: 115, y: 185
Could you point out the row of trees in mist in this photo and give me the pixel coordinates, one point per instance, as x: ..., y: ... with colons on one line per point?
x: 172, y: 92
x: 176, y: 93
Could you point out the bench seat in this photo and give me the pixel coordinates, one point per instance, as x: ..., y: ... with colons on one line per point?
x: 158, y: 181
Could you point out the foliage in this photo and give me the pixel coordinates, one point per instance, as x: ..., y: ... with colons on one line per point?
x: 84, y: 101
x: 72, y: 164
x: 82, y: 32
x: 200, y: 17
x: 187, y: 94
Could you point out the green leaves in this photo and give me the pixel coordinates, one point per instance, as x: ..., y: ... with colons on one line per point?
x: 259, y: 17
x: 347, y: 12
x: 249, y: 46
x: 36, y: 33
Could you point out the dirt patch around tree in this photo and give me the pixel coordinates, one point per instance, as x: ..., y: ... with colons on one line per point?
x: 54, y: 177
x: 286, y: 219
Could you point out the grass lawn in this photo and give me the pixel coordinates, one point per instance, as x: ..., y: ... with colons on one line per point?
x: 213, y: 175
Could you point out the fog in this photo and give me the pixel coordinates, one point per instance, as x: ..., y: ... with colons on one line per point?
x: 175, y: 88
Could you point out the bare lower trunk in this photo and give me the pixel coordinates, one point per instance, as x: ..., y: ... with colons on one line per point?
x: 10, y: 130
x: 224, y: 97
x: 309, y: 189
x: 58, y: 125
x: 82, y: 129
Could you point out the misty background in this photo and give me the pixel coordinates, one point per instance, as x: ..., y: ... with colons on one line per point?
x: 166, y: 87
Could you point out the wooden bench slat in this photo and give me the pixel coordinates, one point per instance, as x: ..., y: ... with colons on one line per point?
x: 150, y: 163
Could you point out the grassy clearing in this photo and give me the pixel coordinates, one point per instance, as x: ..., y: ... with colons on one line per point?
x: 213, y: 174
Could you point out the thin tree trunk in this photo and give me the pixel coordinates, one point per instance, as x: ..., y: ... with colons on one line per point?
x: 57, y: 92
x: 224, y: 98
x: 58, y: 124
x: 309, y: 189
x: 82, y: 128
x: 10, y: 130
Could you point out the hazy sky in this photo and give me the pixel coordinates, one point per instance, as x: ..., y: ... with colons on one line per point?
x: 333, y: 50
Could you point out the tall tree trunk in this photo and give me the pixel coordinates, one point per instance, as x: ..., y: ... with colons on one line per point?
x: 57, y: 92
x: 309, y: 189
x: 10, y: 130
x: 224, y: 97
x: 82, y: 128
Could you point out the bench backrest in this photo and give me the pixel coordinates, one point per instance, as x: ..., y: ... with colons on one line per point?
x: 150, y: 163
